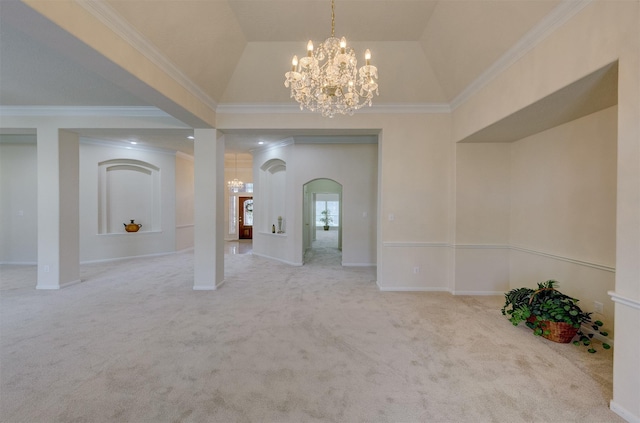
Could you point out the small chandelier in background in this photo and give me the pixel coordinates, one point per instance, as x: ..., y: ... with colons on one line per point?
x: 328, y: 80
x: 235, y: 185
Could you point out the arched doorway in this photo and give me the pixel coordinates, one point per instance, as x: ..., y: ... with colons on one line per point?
x: 322, y: 222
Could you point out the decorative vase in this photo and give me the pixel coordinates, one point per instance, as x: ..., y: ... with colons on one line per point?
x: 132, y: 227
x: 279, y: 224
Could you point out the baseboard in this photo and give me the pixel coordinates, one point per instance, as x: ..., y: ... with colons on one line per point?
x: 61, y: 286
x: 411, y: 288
x: 479, y: 293
x: 359, y: 264
x: 623, y: 412
x: 587, y: 329
x: 19, y: 263
x: 208, y: 287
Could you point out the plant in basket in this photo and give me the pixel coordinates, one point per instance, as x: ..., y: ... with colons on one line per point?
x: 551, y: 314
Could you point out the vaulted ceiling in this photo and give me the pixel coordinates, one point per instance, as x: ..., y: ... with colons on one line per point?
x: 237, y: 51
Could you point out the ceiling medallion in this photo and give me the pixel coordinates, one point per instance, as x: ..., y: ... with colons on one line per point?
x: 328, y: 79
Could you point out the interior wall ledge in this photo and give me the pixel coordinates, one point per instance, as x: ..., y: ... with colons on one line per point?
x: 99, y: 111
x: 554, y: 20
x: 102, y: 11
x: 621, y: 299
x: 563, y: 258
x: 393, y: 244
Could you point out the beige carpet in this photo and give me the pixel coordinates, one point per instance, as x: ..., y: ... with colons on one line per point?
x: 318, y: 343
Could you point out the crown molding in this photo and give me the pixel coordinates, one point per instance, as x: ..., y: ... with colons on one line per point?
x: 280, y: 108
x: 558, y: 16
x: 108, y: 16
x: 100, y: 111
x: 185, y: 156
x: 124, y: 146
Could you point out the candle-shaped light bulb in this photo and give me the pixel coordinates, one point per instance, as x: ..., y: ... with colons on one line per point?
x: 309, y: 48
x: 294, y: 63
x: 343, y: 44
x: 367, y: 56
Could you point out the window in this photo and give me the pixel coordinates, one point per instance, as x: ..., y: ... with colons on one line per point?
x: 334, y: 212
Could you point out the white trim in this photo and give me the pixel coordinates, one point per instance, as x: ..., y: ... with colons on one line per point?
x: 204, y: 288
x: 482, y: 247
x: 563, y: 258
x: 92, y: 111
x: 358, y: 264
x: 587, y: 329
x: 19, y: 263
x: 190, y: 225
x: 280, y: 108
x: 479, y: 293
x: 554, y: 20
x: 412, y: 244
x: 623, y: 412
x: 184, y: 156
x: 123, y: 145
x: 109, y: 17
x: 620, y: 299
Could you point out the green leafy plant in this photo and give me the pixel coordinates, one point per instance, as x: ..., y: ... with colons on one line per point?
x: 546, y: 304
x: 325, y: 219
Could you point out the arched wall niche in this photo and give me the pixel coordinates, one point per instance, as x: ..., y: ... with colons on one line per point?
x: 273, y: 179
x: 128, y: 189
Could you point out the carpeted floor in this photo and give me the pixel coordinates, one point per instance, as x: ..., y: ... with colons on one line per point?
x: 318, y: 343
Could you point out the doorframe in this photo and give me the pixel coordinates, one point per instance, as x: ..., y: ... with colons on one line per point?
x: 310, y: 190
x: 239, y: 217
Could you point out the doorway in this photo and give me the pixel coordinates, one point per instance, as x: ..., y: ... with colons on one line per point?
x: 322, y: 231
x: 245, y: 217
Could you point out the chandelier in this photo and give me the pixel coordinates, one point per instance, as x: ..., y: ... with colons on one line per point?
x: 235, y: 185
x: 328, y: 80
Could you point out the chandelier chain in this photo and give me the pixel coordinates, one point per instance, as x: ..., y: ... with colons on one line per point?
x: 333, y: 18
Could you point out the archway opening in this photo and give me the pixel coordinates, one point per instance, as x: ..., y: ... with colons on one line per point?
x: 322, y: 223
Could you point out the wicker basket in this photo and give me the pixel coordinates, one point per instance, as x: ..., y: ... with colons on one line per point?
x: 560, y: 332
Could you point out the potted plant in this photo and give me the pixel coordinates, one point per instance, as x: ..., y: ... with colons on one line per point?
x: 326, y: 219
x: 551, y: 314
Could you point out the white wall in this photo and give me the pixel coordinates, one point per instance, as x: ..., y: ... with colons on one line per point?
x: 18, y: 205
x: 184, y: 202
x: 482, y: 218
x: 18, y: 202
x: 563, y: 209
x: 95, y: 246
x: 600, y: 34
x: 354, y: 166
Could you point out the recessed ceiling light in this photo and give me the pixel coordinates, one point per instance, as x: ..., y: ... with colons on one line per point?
x: 133, y: 142
x: 260, y: 142
x: 191, y: 137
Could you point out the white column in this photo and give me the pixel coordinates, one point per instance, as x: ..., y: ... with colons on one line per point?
x: 626, y: 365
x: 208, y: 271
x: 58, y: 208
